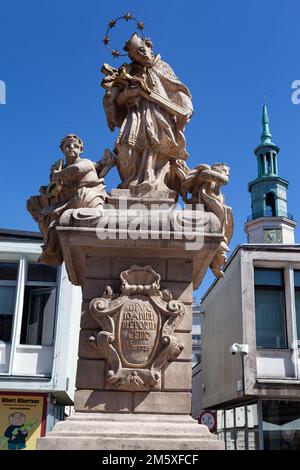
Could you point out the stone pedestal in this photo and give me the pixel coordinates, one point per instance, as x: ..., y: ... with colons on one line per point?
x: 117, y: 431
x: 122, y: 402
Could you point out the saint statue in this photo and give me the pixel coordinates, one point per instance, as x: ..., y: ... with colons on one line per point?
x: 151, y: 107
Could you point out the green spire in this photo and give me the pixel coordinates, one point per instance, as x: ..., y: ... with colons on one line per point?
x: 266, y: 134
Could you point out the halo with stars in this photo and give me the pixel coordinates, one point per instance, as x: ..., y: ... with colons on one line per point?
x: 106, y: 40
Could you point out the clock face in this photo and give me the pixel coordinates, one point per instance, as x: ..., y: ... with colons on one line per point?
x: 273, y: 236
x: 208, y: 420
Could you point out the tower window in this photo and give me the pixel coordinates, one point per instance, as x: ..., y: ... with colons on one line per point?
x: 270, y: 204
x: 262, y: 167
x: 275, y: 164
x: 269, y: 163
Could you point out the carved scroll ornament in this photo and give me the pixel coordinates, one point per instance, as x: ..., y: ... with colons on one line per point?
x: 137, y: 326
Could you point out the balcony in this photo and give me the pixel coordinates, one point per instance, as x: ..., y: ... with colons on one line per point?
x: 269, y: 213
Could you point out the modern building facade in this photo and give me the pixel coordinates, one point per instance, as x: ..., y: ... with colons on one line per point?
x: 256, y: 305
x: 39, y: 320
x: 196, y: 334
x: 250, y: 362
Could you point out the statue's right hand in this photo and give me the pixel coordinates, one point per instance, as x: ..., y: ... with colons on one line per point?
x: 129, y: 93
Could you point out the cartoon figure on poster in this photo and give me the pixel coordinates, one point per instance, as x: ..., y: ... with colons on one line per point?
x: 16, y: 433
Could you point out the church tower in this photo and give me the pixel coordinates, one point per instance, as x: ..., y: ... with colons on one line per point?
x: 269, y: 221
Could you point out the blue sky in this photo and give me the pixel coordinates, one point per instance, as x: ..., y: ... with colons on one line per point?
x: 229, y: 53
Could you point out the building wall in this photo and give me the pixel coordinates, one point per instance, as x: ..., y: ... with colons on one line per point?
x: 272, y: 373
x: 49, y: 369
x: 67, y: 336
x: 256, y: 229
x: 229, y: 307
x: 222, y: 326
x: 197, y: 395
x: 196, y: 334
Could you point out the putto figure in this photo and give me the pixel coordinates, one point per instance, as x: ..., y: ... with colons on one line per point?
x: 73, y: 184
x: 151, y: 107
x: 202, y: 185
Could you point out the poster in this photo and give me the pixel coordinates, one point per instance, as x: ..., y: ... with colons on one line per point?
x: 22, y: 420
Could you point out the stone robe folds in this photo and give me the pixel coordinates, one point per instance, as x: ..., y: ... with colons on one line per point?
x: 149, y: 134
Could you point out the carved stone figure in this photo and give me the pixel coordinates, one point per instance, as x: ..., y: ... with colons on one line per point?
x: 137, y: 325
x: 134, y: 357
x: 151, y: 107
x: 73, y: 185
x: 203, y: 183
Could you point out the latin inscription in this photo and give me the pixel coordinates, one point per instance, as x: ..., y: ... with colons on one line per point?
x: 138, y: 330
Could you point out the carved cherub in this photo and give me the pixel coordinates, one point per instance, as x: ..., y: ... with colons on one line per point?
x: 73, y: 184
x: 202, y: 185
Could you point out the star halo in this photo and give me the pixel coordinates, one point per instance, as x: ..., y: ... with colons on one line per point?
x: 106, y: 40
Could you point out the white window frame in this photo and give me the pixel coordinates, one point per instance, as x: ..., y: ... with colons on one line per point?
x: 10, y: 252
x: 288, y: 268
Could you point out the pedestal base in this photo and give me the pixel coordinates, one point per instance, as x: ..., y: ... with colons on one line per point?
x: 96, y: 431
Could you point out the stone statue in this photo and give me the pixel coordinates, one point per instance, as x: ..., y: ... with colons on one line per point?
x: 204, y: 183
x: 136, y: 265
x: 73, y: 185
x: 151, y: 107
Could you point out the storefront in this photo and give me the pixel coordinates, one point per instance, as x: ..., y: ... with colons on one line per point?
x: 262, y: 425
x: 39, y: 317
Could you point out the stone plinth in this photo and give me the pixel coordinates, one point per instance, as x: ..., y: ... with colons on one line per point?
x: 95, y: 431
x: 134, y: 360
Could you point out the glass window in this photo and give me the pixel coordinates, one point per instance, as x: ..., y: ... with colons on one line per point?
x: 240, y: 417
x: 297, y: 278
x: 281, y: 425
x: 196, y: 329
x: 240, y: 443
x: 252, y: 416
x: 230, y: 437
x: 7, y: 305
x: 39, y: 306
x: 270, y: 309
x: 239, y: 428
x: 8, y: 281
x: 252, y: 427
x: 229, y: 418
x: 268, y: 277
x: 220, y: 419
x: 41, y: 273
x: 8, y: 271
x: 196, y: 339
x: 197, y: 358
x: 38, y: 316
x: 297, y: 302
